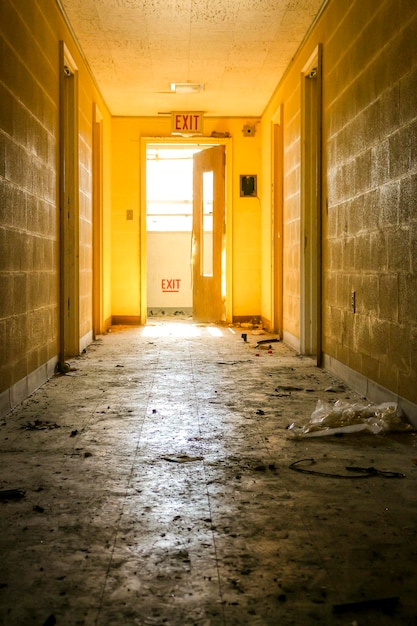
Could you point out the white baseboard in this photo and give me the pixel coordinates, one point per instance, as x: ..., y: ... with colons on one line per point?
x: 370, y: 389
x: 25, y: 386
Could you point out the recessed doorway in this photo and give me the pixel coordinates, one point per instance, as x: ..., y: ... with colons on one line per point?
x: 169, y: 222
x: 172, y: 241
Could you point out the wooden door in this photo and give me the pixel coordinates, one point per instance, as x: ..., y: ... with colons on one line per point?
x: 209, y: 235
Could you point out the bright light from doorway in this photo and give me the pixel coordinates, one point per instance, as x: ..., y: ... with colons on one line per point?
x: 172, y: 330
x: 169, y: 188
x: 176, y: 329
x: 214, y: 332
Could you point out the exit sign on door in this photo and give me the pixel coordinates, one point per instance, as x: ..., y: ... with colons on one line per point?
x: 186, y: 123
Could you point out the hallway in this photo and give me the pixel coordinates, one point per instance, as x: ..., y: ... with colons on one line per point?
x: 158, y: 491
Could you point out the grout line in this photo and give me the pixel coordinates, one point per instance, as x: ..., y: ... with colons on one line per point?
x: 129, y: 481
x: 197, y: 406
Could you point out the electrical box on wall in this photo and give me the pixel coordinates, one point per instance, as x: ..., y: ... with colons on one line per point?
x: 248, y: 184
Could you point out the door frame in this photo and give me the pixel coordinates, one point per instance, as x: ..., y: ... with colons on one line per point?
x: 311, y: 207
x: 97, y: 221
x: 192, y: 141
x: 277, y: 218
x: 69, y: 337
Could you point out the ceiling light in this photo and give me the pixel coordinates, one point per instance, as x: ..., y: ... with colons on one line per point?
x: 187, y: 87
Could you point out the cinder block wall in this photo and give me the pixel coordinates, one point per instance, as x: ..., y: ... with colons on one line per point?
x: 370, y: 138
x: 292, y: 211
x: 30, y: 35
x: 369, y: 200
x: 85, y: 129
x: 28, y: 183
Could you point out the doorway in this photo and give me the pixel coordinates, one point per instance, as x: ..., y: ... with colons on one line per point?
x: 311, y: 238
x: 97, y: 221
x: 277, y: 222
x: 169, y: 221
x: 170, y: 237
x: 69, y: 342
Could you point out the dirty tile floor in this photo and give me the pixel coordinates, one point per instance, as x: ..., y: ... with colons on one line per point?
x: 157, y: 490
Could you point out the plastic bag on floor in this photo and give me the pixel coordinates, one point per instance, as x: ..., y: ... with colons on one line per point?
x: 345, y: 417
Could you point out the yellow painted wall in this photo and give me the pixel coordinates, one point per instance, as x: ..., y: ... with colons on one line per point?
x: 30, y: 35
x: 126, y: 195
x: 369, y: 190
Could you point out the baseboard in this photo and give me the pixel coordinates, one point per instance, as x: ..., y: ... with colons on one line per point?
x: 86, y: 340
x: 24, y: 387
x: 370, y: 389
x: 266, y: 324
x: 291, y: 340
x: 161, y: 311
x: 126, y: 320
x: 247, y: 319
x: 107, y: 323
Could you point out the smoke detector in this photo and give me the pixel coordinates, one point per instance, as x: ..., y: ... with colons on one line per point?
x: 249, y: 130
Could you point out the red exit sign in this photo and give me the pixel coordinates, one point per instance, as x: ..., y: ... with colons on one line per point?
x: 170, y: 285
x: 186, y: 123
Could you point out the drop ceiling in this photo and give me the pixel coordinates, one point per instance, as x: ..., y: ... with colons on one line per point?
x: 239, y: 50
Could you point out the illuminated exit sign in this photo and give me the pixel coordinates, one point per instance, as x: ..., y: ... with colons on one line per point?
x: 186, y: 123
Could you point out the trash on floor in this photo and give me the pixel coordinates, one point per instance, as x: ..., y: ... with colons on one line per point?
x: 386, y: 604
x: 356, y: 472
x: 11, y: 494
x: 344, y: 417
x: 268, y: 341
x: 40, y: 425
x: 181, y: 458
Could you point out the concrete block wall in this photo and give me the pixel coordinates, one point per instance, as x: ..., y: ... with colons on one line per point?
x: 369, y: 193
x: 28, y: 190
x: 291, y: 216
x: 30, y: 36
x: 86, y: 218
x: 370, y: 133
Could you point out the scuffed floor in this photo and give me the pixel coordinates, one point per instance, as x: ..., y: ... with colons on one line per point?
x: 158, y: 491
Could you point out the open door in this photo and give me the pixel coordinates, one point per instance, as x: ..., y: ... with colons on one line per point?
x: 209, y: 235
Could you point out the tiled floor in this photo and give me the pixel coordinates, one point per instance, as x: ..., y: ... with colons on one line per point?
x: 158, y: 491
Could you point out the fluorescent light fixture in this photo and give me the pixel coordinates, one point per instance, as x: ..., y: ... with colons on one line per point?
x: 187, y: 87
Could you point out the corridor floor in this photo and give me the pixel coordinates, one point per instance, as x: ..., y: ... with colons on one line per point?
x: 156, y: 489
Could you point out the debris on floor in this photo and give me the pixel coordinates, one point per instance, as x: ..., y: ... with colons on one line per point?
x: 40, y: 425
x: 166, y: 497
x: 182, y: 458
x: 11, y: 494
x: 355, y: 471
x: 345, y: 417
x: 385, y: 604
x: 266, y: 341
